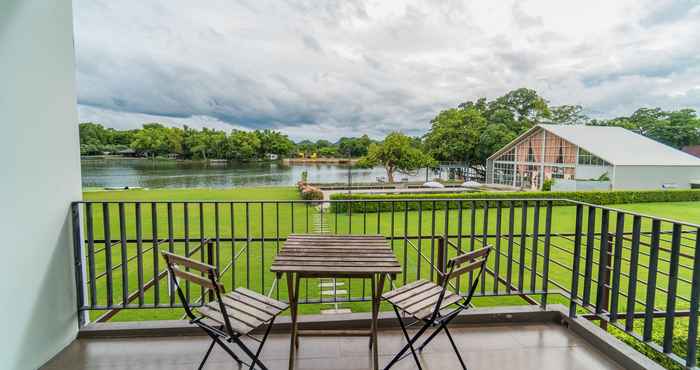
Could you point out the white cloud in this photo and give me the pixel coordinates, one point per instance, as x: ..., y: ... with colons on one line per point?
x: 329, y: 69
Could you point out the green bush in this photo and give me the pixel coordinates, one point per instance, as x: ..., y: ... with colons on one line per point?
x: 440, y: 201
x: 547, y: 185
x: 311, y: 193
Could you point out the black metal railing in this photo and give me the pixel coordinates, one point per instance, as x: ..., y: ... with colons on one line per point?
x: 636, y: 273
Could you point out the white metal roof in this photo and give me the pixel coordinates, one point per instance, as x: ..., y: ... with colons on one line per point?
x: 617, y: 145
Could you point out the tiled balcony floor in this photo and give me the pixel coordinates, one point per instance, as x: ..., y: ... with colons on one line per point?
x: 521, y: 346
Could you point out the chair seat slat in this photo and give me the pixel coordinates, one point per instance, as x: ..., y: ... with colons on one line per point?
x: 430, y: 295
x: 262, y: 307
x: 404, y: 288
x: 261, y: 298
x: 237, y: 314
x: 215, y: 315
x: 249, y: 310
x: 412, y: 293
x: 426, y: 312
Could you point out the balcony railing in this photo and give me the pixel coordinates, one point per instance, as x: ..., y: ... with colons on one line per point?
x: 637, y: 273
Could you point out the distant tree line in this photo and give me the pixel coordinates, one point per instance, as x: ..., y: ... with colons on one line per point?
x: 468, y: 133
x: 154, y: 139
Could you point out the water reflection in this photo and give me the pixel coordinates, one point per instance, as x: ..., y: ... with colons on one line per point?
x: 187, y: 174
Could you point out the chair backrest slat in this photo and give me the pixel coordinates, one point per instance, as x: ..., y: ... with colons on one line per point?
x: 466, y: 268
x: 187, y: 262
x: 470, y: 256
x: 199, y: 280
x: 475, y: 260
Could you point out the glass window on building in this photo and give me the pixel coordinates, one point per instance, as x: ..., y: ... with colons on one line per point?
x: 503, y: 173
x: 585, y: 157
x: 508, y: 156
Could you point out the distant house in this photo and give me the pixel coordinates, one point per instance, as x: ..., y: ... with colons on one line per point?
x: 692, y: 150
x: 578, y: 157
x: 127, y: 153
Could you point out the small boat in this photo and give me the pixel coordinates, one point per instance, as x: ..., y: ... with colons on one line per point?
x: 433, y: 184
x: 470, y: 184
x: 123, y: 188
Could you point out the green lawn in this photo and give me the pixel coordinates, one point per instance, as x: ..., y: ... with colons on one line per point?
x: 269, y: 220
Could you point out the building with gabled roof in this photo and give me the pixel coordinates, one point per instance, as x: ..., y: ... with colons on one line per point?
x: 579, y: 157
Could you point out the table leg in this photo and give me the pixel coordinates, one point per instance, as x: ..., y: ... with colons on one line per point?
x: 376, y: 300
x: 292, y: 294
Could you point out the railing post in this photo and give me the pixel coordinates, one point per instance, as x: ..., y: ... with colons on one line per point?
x: 605, y: 299
x: 691, y: 357
x: 575, y: 263
x: 441, y: 258
x: 79, y: 264
x: 210, y: 261
x: 546, y: 252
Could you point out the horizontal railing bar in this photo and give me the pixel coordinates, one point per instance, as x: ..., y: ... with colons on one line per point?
x: 402, y: 201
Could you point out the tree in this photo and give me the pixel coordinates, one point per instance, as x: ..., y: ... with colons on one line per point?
x: 568, y: 115
x: 675, y: 128
x: 353, y: 146
x: 454, y: 135
x: 524, y: 108
x: 396, y: 154
x: 244, y: 145
x: 273, y: 142
x: 328, y: 152
x: 680, y: 128
x: 152, y: 140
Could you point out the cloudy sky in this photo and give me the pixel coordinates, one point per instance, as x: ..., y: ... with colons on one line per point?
x: 325, y: 69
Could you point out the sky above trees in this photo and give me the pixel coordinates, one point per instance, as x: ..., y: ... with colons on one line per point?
x: 344, y: 68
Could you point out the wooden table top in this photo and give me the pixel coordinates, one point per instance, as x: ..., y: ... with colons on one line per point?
x: 336, y: 255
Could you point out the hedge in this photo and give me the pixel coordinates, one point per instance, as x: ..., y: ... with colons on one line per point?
x: 410, y: 201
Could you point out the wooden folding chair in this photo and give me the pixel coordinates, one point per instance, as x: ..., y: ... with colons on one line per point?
x: 425, y: 301
x: 229, y: 316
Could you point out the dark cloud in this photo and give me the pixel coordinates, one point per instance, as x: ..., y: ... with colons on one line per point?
x: 333, y: 68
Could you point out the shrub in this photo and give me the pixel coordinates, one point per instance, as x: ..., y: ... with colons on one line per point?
x: 311, y: 193
x: 547, y: 185
x: 440, y: 201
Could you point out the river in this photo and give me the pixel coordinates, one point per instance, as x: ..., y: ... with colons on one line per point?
x: 100, y: 173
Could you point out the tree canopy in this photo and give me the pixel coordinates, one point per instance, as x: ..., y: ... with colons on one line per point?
x: 474, y: 130
x: 674, y: 128
x: 397, y: 153
x: 155, y: 139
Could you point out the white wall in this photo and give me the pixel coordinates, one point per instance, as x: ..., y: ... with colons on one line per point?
x: 653, y: 177
x: 40, y: 176
x: 587, y: 172
x: 580, y: 185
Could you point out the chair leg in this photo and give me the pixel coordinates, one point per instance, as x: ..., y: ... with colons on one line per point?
x: 262, y: 342
x: 443, y: 325
x: 430, y: 338
x: 206, y: 355
x: 226, y: 348
x: 454, y: 346
x: 409, y: 345
x: 249, y: 353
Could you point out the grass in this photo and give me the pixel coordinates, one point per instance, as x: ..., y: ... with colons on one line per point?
x: 269, y: 221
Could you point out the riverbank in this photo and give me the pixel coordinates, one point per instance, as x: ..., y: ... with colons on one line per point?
x: 346, y: 161
x: 103, y: 172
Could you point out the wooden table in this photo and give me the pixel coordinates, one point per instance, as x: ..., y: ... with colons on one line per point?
x: 335, y: 256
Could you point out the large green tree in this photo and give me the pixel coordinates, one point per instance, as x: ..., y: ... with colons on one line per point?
x: 474, y: 130
x: 673, y: 128
x: 396, y: 154
x: 273, y: 142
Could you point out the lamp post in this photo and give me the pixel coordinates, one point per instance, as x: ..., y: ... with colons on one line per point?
x: 349, y: 172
